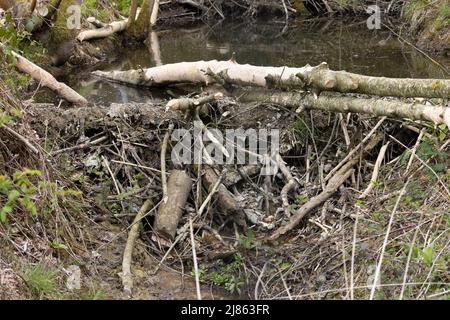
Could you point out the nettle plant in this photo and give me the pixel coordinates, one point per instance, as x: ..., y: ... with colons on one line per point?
x: 23, y: 189
x: 18, y: 190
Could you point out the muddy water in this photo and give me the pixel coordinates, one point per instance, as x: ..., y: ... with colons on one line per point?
x: 344, y: 45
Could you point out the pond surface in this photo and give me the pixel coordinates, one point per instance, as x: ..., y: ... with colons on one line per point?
x: 344, y: 45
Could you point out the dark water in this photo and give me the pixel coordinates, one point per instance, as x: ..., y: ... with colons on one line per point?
x: 344, y: 45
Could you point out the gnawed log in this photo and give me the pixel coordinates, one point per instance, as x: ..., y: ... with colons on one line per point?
x: 186, y: 104
x: 169, y: 213
x: 378, y: 107
x: 234, y: 176
x: 207, y: 72
x: 107, y: 30
x: 226, y: 202
x: 46, y: 79
x: 95, y: 22
x: 319, y: 78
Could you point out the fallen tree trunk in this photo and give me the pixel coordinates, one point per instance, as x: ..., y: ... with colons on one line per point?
x: 378, y: 107
x: 107, y: 30
x: 318, y: 78
x: 207, y: 72
x: 170, y: 211
x: 46, y: 79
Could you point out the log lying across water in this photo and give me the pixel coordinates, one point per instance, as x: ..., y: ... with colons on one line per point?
x: 379, y: 107
x: 320, y: 78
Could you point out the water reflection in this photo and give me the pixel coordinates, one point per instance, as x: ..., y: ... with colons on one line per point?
x: 344, y: 45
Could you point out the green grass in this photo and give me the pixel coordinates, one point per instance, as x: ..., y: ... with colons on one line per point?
x: 42, y: 281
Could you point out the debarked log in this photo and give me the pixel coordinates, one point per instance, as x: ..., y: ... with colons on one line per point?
x: 377, y: 107
x: 318, y: 78
x: 107, y: 30
x: 169, y: 213
x: 226, y: 202
x: 46, y: 79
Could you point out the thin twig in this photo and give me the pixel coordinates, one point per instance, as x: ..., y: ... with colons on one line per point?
x: 355, y: 149
x: 194, y: 256
x: 386, y: 238
x: 376, y: 170
x: 127, y: 277
x: 21, y: 138
x: 163, y: 165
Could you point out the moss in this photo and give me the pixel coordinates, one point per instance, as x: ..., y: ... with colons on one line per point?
x: 60, y: 32
x: 140, y: 28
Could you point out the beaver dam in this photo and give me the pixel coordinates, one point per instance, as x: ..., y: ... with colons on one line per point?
x: 208, y: 150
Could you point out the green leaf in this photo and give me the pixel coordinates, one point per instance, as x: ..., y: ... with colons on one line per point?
x: 12, y: 196
x: 427, y: 255
x: 57, y: 245
x: 6, y: 209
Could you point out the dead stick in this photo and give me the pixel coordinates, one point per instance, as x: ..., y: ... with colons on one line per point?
x: 127, y: 277
x: 375, y: 172
x: 288, y: 187
x: 194, y: 257
x: 163, y: 165
x: 21, y: 138
x: 339, y: 178
x: 333, y: 184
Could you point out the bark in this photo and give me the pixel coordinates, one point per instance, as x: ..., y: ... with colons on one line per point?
x: 6, y: 4
x: 132, y: 13
x: 46, y: 79
x: 316, y: 79
x: 154, y: 48
x: 20, y: 8
x: 169, y: 213
x: 207, y: 72
x: 32, y: 6
x: 345, y: 82
x: 140, y: 28
x: 95, y: 22
x: 378, y: 107
x: 189, y: 104
x: 36, y: 21
x: 60, y: 33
